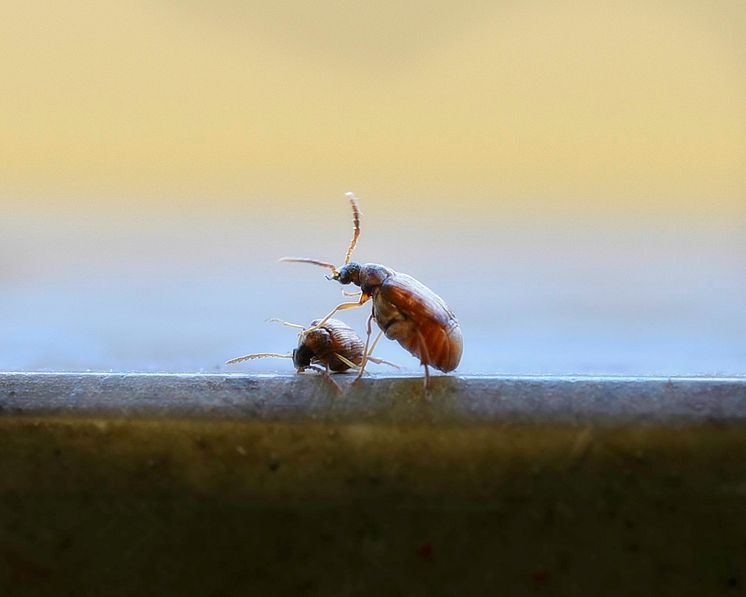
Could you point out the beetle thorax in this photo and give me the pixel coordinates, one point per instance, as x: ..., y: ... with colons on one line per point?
x: 372, y: 276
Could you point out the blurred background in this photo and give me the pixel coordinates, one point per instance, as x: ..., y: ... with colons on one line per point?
x: 569, y: 176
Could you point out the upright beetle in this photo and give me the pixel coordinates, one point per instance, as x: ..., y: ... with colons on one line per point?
x: 406, y: 310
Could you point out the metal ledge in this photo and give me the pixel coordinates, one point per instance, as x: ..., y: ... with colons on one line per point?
x: 278, y: 485
x: 392, y: 399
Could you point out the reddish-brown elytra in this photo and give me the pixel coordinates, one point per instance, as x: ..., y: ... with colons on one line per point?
x: 406, y: 310
x: 330, y: 344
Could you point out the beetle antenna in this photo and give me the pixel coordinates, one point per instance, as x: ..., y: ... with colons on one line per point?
x: 331, y: 266
x: 286, y: 323
x: 355, y: 226
x: 259, y: 355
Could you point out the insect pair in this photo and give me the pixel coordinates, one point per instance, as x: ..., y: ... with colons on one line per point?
x: 404, y: 309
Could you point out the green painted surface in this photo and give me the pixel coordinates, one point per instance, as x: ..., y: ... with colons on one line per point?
x: 127, y: 507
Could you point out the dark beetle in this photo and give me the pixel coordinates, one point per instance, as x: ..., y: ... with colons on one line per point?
x: 331, y: 344
x: 406, y: 310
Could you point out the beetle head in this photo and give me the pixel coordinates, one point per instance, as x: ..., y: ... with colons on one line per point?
x: 302, y: 357
x: 347, y: 274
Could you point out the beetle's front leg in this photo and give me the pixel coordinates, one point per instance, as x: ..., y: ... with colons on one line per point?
x: 343, y: 307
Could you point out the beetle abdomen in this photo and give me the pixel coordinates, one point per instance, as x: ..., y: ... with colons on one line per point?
x: 343, y: 340
x: 413, y: 315
x: 445, y: 347
x: 433, y: 345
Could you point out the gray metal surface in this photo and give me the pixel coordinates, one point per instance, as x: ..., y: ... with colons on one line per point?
x: 464, y: 399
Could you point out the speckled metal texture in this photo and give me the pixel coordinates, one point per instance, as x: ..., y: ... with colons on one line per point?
x: 468, y: 399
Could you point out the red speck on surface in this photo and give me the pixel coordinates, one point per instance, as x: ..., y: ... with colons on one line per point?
x: 425, y: 551
x: 22, y: 569
x: 541, y: 577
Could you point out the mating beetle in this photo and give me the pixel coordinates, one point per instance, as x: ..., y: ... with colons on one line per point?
x: 406, y: 310
x: 331, y: 343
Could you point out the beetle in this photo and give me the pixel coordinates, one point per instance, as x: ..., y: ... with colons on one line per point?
x: 331, y: 344
x: 404, y: 309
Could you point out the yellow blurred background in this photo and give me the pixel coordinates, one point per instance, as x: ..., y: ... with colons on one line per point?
x: 585, y: 102
x: 511, y: 151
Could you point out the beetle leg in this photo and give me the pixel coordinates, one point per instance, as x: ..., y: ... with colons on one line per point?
x: 427, y: 380
x: 343, y: 307
x: 375, y: 360
x: 260, y: 355
x: 326, y: 376
x: 425, y: 359
x: 365, y: 350
x: 345, y: 360
x: 378, y: 361
x: 373, y: 346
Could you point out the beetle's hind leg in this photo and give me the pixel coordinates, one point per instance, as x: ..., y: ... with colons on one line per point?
x: 427, y: 379
x: 378, y: 361
x: 345, y: 360
x: 425, y: 359
x: 375, y: 360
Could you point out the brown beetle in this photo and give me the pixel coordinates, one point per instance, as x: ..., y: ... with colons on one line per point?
x: 331, y: 343
x: 406, y: 310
